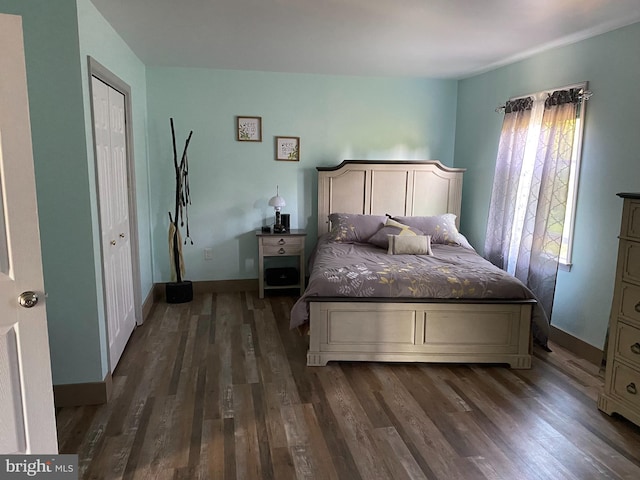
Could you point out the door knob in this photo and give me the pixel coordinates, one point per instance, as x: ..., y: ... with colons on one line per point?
x: 28, y: 299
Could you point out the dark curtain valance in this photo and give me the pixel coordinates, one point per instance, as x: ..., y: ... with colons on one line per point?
x: 518, y: 105
x: 560, y: 97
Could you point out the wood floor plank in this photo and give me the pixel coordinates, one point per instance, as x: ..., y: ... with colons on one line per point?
x: 571, y: 402
x: 431, y: 443
x: 213, y: 393
x: 213, y: 448
x: 259, y: 407
x: 283, y: 463
x: 273, y: 417
x: 514, y: 438
x: 324, y: 467
x: 229, y: 449
x: 138, y: 441
x: 218, y: 388
x: 364, y: 383
x: 492, y: 460
x: 400, y: 461
x: 334, y: 439
x: 354, y: 424
x: 251, y: 373
x: 247, y: 450
x: 156, y: 455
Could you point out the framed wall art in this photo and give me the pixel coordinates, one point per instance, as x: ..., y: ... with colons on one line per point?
x: 249, y: 129
x: 288, y: 148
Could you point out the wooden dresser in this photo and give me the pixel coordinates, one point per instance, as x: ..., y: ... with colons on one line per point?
x: 622, y: 382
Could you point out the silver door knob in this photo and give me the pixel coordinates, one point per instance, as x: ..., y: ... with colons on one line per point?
x: 28, y: 299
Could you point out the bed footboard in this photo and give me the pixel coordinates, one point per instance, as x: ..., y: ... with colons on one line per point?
x: 421, y: 332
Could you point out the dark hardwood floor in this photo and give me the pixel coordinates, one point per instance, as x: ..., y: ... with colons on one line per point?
x: 219, y: 389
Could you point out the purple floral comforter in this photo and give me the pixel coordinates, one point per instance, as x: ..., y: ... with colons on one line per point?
x: 452, y: 272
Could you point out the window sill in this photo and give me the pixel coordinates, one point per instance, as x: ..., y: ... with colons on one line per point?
x: 566, y: 267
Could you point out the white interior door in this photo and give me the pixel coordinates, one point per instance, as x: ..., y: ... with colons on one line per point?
x: 111, y: 159
x: 27, y: 415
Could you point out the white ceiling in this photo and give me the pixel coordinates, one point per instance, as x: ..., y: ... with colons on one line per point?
x: 427, y: 38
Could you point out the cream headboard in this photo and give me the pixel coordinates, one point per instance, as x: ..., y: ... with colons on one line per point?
x: 405, y: 188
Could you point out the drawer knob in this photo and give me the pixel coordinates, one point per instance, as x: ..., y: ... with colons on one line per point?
x: 635, y: 348
x: 282, y: 241
x: 282, y: 251
x: 638, y: 307
x: 631, y: 388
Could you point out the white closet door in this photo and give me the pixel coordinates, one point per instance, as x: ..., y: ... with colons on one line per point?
x: 110, y: 135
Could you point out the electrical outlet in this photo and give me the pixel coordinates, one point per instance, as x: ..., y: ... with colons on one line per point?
x: 208, y: 254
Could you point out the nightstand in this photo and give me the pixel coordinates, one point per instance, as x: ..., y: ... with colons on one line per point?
x: 288, y: 244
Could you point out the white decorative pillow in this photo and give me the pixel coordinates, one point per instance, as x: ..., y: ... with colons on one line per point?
x: 409, y: 245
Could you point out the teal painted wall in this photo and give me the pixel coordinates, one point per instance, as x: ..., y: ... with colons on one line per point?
x: 610, y: 163
x: 336, y: 118
x: 58, y: 37
x: 62, y: 182
x: 98, y: 40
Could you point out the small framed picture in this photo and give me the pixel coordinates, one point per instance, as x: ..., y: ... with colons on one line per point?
x: 249, y: 129
x: 288, y: 148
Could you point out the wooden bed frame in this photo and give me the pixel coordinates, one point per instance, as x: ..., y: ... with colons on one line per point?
x: 409, y: 330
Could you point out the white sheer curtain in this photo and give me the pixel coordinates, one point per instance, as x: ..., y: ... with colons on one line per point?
x: 530, y: 189
x: 511, y: 152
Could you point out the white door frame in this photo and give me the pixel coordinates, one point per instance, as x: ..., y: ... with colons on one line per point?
x: 97, y: 70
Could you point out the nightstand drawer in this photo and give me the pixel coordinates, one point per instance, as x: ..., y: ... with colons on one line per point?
x: 628, y: 343
x: 282, y: 241
x: 273, y: 250
x: 626, y: 384
x: 629, y: 301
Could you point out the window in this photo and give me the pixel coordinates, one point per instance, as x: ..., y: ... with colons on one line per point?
x: 570, y: 213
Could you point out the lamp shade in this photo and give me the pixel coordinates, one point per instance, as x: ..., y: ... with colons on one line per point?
x: 277, y: 202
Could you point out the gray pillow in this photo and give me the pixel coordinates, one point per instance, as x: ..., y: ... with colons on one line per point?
x: 354, y: 228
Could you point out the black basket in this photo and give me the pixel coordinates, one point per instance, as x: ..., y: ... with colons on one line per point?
x: 277, y: 277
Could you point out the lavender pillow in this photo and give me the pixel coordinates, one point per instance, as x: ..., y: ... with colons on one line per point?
x: 354, y: 228
x: 392, y: 227
x: 442, y: 229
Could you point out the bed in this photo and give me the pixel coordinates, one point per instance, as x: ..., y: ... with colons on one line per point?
x: 432, y: 323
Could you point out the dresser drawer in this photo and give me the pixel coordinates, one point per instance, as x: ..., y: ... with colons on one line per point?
x: 273, y: 250
x: 282, y: 241
x: 631, y: 260
x: 631, y: 224
x: 626, y: 384
x: 629, y: 306
x: 628, y: 343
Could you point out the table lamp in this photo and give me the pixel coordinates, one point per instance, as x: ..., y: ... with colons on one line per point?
x: 277, y: 203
